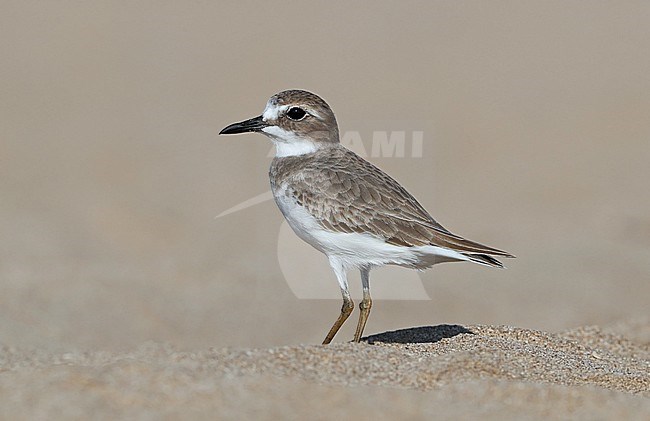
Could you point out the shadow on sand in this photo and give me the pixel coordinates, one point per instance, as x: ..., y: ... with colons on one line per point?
x: 416, y: 335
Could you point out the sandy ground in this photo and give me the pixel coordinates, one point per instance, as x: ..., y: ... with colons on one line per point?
x: 441, y: 371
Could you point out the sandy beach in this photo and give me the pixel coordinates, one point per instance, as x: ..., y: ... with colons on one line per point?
x: 446, y: 372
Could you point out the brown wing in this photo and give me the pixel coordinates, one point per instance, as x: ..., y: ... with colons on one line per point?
x: 346, y: 193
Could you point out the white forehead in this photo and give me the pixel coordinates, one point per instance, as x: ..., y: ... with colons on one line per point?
x: 273, y: 111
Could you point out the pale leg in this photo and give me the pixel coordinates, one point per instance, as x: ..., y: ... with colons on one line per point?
x: 348, y: 305
x: 364, y: 305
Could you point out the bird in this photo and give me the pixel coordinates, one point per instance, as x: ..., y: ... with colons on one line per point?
x: 347, y: 208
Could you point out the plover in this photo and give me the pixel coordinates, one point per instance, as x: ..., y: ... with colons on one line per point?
x: 344, y: 206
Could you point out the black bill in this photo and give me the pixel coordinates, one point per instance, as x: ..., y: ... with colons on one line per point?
x: 253, y: 125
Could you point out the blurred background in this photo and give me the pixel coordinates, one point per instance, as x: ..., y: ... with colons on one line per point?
x: 536, y: 140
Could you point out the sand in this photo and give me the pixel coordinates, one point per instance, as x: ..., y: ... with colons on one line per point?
x: 448, y: 371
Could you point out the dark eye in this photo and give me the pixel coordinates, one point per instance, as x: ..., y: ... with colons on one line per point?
x: 296, y: 113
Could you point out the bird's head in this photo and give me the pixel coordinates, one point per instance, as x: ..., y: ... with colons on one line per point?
x: 297, y: 122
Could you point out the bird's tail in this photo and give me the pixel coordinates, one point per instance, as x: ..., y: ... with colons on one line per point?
x: 484, y: 259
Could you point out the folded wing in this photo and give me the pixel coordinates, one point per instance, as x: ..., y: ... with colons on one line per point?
x: 346, y: 193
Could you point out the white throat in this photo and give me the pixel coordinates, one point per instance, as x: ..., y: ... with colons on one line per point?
x: 288, y: 144
x: 293, y: 149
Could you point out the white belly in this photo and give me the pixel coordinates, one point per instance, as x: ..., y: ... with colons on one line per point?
x: 357, y: 250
